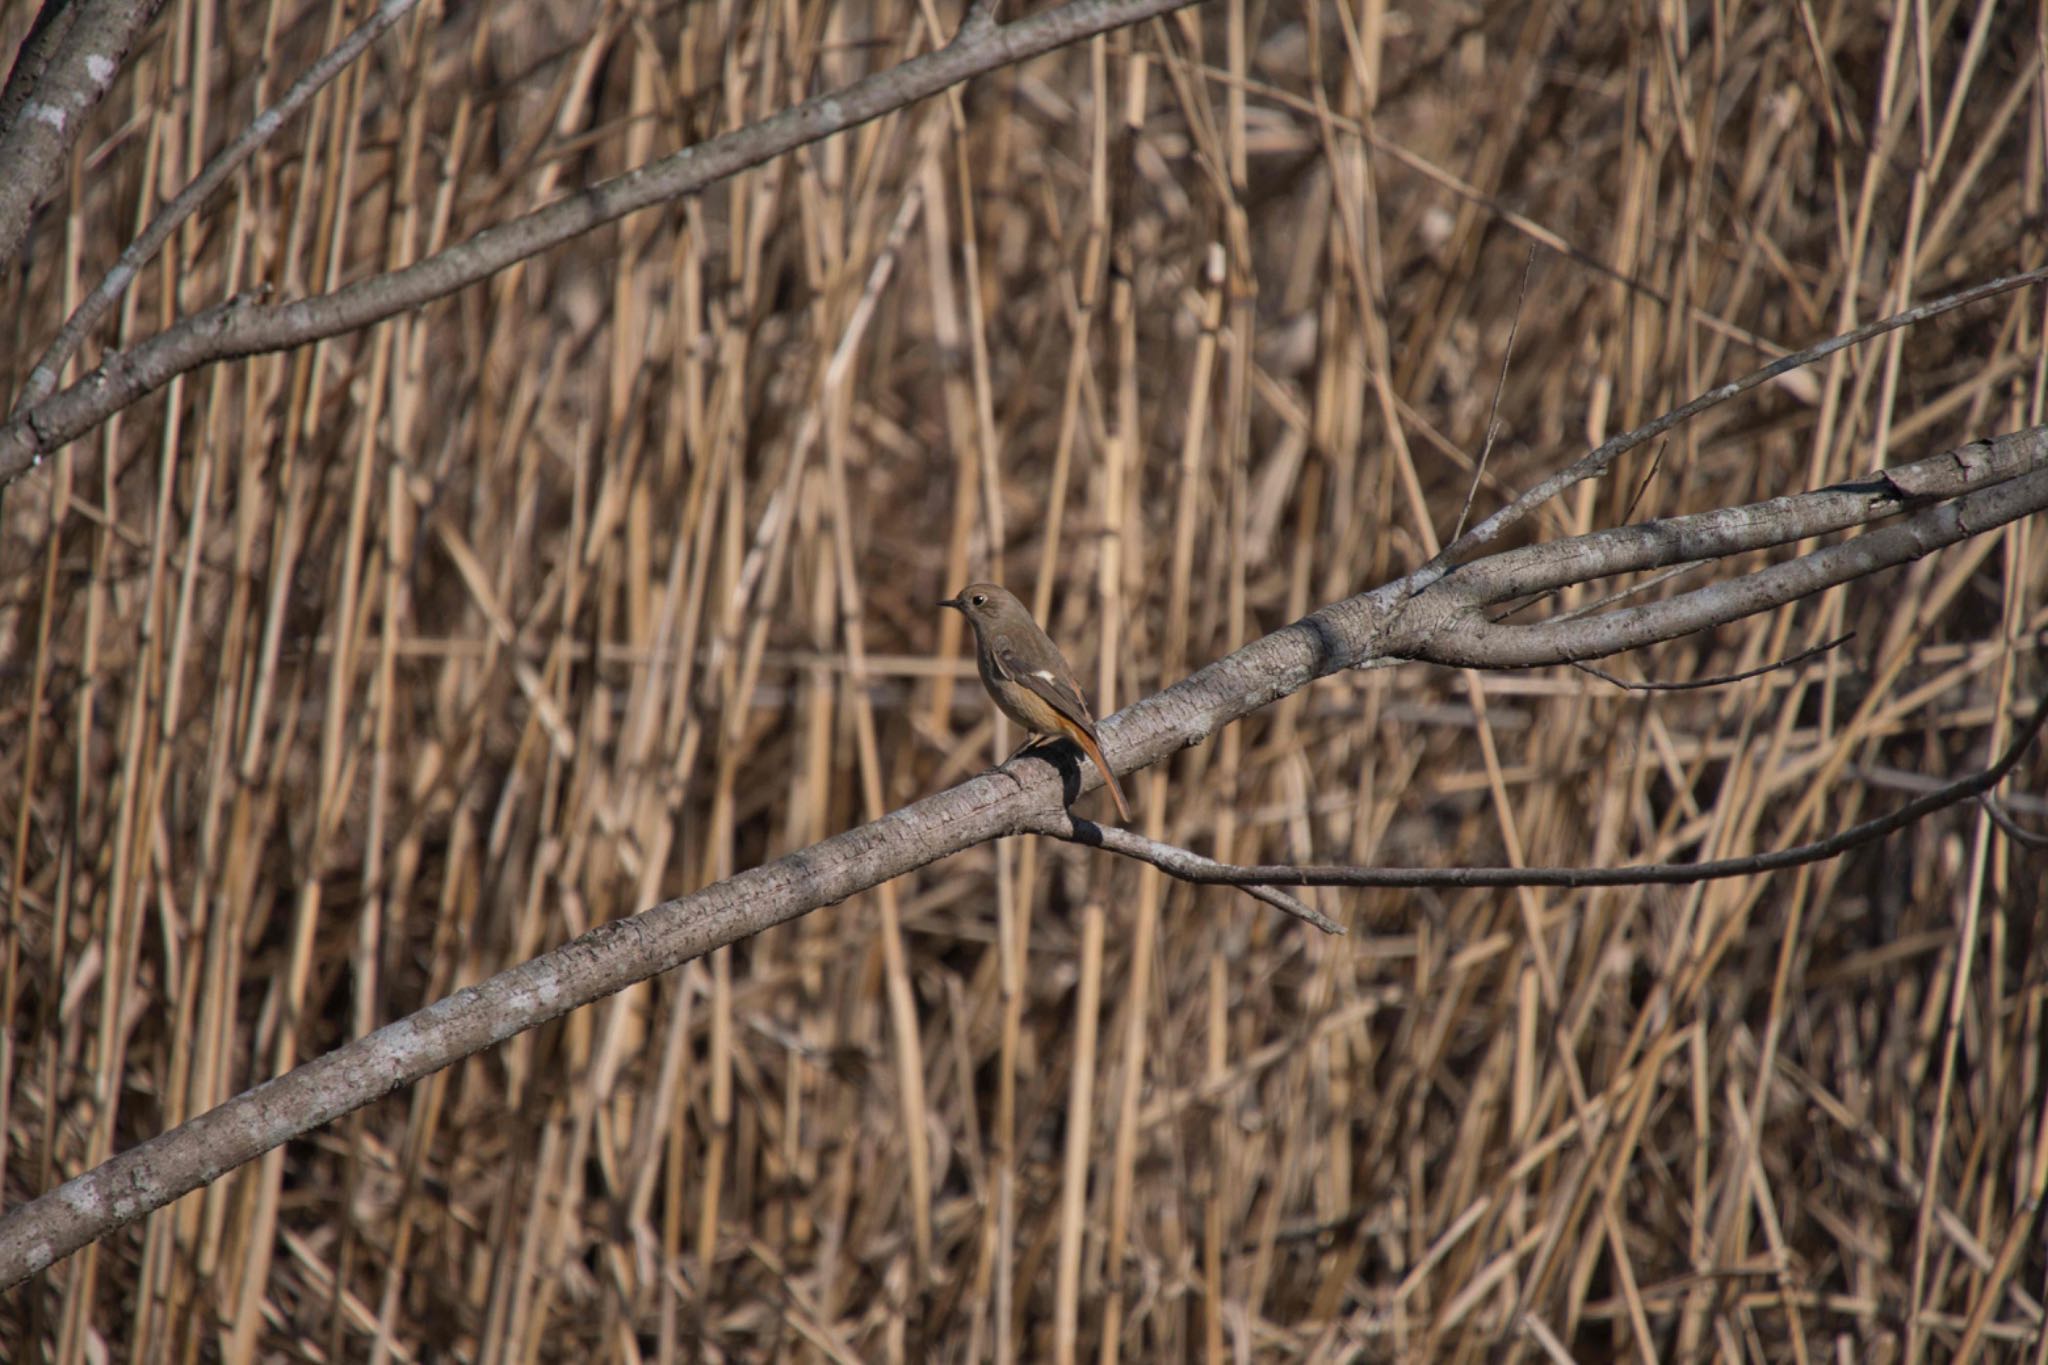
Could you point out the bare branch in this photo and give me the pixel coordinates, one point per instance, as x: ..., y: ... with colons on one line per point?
x: 1493, y: 414
x: 1696, y: 684
x: 1452, y: 630
x: 1987, y: 484
x: 43, y: 377
x: 1172, y: 860
x: 93, y: 39
x: 602, y: 962
x: 1292, y: 905
x: 1599, y: 460
x: 47, y: 30
x: 1635, y: 499
x: 2026, y: 838
x: 1202, y: 870
x: 223, y: 333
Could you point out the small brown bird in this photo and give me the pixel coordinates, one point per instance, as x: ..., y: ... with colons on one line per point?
x: 1027, y: 676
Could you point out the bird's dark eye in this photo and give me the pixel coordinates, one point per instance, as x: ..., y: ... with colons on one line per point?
x: 981, y: 599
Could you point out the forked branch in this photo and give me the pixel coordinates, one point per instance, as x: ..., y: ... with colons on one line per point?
x: 1192, y: 867
x: 1392, y: 622
x: 1435, y: 615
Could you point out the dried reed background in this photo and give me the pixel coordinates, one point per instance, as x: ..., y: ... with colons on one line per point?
x: 338, y: 679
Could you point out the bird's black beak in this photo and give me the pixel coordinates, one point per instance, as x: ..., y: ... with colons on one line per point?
x: 955, y: 603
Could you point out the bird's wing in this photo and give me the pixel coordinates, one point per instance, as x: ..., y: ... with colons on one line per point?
x: 1053, y: 684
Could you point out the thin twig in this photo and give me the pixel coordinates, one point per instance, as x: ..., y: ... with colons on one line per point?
x: 1635, y: 499
x: 1203, y: 870
x: 1790, y: 661
x: 1174, y: 861
x: 1300, y: 909
x: 2013, y: 831
x: 1600, y: 459
x: 1493, y: 414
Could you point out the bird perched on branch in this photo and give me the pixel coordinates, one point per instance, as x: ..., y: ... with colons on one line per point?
x: 1028, y: 678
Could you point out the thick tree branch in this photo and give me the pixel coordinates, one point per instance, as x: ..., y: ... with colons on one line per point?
x: 1003, y: 802
x: 47, y: 30
x: 65, y: 69
x: 1449, y: 628
x: 232, y: 329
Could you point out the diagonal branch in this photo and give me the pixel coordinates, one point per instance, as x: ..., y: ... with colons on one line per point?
x: 1982, y: 482
x: 237, y: 329
x: 45, y: 33
x: 43, y: 377
x: 1600, y: 460
x: 1175, y: 861
x: 1449, y: 628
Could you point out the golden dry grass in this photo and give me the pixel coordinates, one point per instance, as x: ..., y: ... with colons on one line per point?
x: 338, y: 679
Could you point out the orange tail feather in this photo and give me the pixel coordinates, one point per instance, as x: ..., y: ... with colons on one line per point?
x: 1094, y: 752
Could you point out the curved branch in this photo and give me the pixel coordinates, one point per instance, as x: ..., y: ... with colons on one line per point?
x: 1173, y: 860
x: 1195, y: 868
x: 232, y: 330
x: 1788, y: 663
x: 1002, y: 802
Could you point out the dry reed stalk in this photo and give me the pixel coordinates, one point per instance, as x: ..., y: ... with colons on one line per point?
x: 341, y: 678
